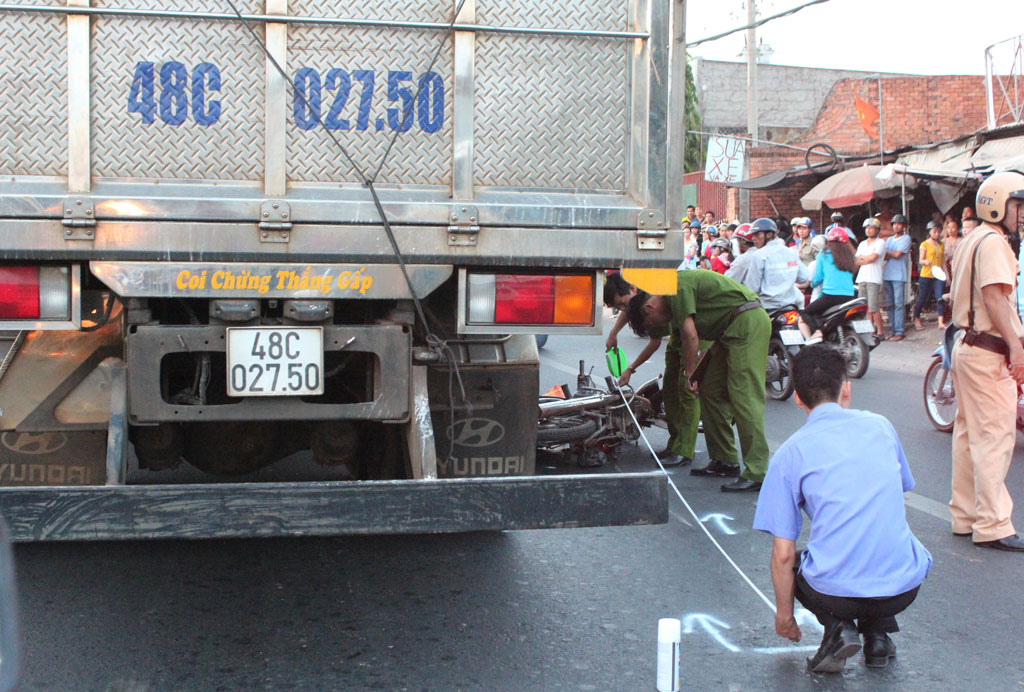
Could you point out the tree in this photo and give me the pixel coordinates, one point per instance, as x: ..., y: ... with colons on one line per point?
x: 693, y: 159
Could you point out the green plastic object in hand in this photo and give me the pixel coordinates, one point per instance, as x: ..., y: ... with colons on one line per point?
x: 616, y: 360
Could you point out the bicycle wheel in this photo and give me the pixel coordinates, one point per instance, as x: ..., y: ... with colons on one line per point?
x: 939, y: 396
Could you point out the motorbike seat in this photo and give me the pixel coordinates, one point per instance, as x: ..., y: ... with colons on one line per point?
x: 774, y: 312
x: 843, y: 307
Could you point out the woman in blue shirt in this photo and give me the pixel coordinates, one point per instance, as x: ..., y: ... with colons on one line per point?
x: 833, y: 271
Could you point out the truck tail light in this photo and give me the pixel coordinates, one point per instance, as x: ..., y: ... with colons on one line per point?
x: 530, y: 299
x: 35, y: 293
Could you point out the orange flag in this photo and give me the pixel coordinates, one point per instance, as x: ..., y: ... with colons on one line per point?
x: 868, y: 116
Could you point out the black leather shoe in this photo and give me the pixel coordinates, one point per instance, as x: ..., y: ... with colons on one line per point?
x: 878, y: 649
x: 675, y: 460
x: 741, y: 485
x: 839, y: 643
x: 1012, y: 543
x: 662, y: 453
x: 717, y: 468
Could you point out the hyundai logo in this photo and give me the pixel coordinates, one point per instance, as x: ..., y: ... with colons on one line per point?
x: 476, y: 432
x: 34, y: 443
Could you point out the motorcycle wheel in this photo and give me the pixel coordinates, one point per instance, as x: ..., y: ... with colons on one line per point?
x: 781, y: 389
x: 564, y: 430
x: 941, y: 408
x: 856, y: 353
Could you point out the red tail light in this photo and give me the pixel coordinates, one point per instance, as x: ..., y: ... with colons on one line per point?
x: 853, y: 312
x: 524, y: 299
x: 35, y: 292
x: 530, y: 299
x: 19, y: 293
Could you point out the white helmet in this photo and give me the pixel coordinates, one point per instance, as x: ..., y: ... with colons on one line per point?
x: 995, y: 192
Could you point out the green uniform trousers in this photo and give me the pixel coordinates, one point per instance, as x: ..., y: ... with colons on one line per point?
x: 733, y: 389
x: 682, y: 408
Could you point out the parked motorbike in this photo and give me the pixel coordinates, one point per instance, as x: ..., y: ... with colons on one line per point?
x: 593, y: 421
x: 846, y: 327
x: 939, y: 394
x: 785, y: 341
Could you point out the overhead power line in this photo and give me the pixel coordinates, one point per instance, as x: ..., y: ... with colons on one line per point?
x: 758, y: 23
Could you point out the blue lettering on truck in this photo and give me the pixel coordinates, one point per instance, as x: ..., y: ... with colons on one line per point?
x: 169, y: 91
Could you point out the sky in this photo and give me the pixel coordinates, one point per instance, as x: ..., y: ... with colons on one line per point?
x: 927, y: 37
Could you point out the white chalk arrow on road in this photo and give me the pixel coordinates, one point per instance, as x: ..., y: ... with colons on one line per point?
x: 720, y: 519
x: 711, y: 625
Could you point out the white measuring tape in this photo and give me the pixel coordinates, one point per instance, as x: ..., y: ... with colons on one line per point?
x: 689, y: 509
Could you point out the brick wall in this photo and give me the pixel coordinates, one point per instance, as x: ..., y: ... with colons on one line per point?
x: 915, y: 110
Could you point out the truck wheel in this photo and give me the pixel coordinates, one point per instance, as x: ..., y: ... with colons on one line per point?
x: 563, y: 430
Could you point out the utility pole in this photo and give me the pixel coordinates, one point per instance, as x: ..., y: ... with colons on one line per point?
x: 752, y: 128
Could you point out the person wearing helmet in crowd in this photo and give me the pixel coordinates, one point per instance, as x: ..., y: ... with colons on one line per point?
x: 776, y: 273
x: 833, y: 271
x: 928, y: 284
x: 682, y: 409
x: 896, y: 274
x: 748, y: 246
x: 721, y: 255
x: 709, y: 306
x: 988, y: 365
x: 869, y: 258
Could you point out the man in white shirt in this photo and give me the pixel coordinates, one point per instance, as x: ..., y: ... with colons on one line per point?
x: 870, y: 258
x: 776, y: 273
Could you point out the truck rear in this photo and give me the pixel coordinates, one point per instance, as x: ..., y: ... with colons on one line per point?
x: 275, y: 268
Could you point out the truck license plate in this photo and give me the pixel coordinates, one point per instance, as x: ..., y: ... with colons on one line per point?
x: 275, y: 361
x: 863, y: 326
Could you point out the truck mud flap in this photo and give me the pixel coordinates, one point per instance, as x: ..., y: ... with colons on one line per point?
x: 229, y: 510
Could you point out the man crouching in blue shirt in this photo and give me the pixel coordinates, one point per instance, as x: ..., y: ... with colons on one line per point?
x: 846, y: 469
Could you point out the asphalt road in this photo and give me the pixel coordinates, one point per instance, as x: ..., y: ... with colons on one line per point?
x: 538, y: 610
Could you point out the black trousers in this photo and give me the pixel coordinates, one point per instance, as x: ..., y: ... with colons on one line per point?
x: 872, y: 615
x: 823, y: 303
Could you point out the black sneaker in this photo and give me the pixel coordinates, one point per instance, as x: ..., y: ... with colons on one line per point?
x: 719, y: 469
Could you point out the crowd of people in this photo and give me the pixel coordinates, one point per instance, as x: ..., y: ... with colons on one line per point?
x: 882, y: 269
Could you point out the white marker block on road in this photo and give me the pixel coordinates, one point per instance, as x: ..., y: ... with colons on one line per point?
x: 669, y: 636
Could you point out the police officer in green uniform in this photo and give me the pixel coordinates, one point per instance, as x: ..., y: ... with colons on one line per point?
x: 709, y: 306
x: 682, y: 409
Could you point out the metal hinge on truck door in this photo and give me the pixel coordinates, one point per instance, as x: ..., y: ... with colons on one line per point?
x: 79, y: 219
x: 275, y: 221
x: 464, y: 225
x: 650, y: 230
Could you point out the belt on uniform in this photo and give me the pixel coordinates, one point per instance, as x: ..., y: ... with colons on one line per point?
x: 988, y: 342
x: 743, y: 308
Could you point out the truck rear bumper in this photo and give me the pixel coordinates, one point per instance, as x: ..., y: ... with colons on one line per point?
x: 229, y: 510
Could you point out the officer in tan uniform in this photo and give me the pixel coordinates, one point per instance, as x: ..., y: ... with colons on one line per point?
x: 988, y: 363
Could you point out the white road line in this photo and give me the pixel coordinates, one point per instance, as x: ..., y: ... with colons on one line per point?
x: 558, y: 366
x: 927, y: 505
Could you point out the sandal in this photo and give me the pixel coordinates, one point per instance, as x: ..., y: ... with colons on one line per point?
x: 896, y: 337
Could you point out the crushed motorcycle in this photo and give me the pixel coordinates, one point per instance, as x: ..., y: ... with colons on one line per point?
x: 591, y: 423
